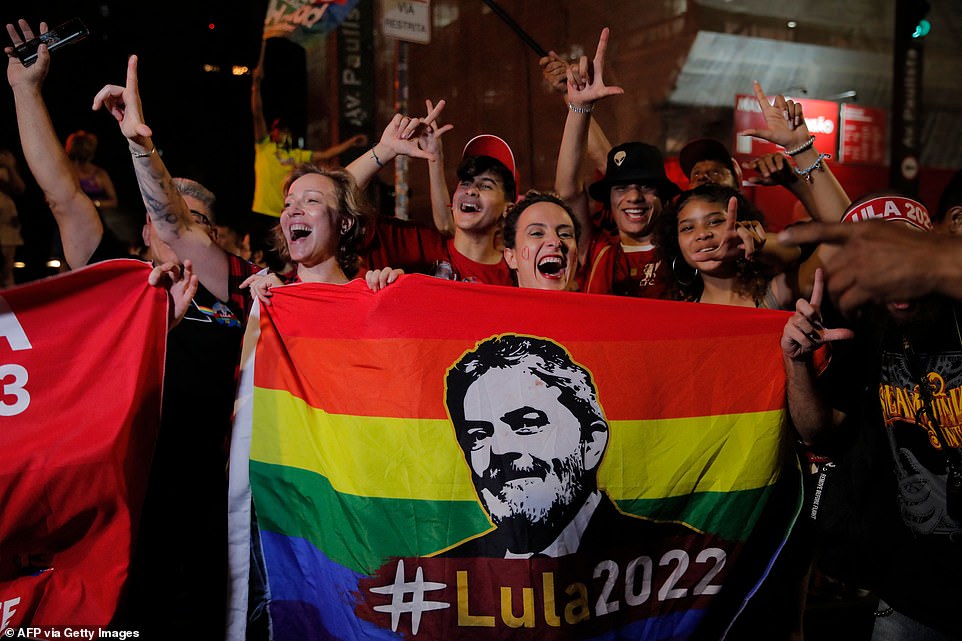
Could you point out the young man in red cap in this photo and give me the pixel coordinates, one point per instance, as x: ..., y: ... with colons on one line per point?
x: 487, y: 185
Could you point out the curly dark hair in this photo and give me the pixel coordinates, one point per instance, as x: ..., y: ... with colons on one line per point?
x: 352, y: 208
x: 751, y: 277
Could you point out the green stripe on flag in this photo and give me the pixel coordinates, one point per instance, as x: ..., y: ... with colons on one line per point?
x: 361, y: 532
x: 357, y: 532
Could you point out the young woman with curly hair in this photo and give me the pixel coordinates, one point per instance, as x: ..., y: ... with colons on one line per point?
x: 712, y: 237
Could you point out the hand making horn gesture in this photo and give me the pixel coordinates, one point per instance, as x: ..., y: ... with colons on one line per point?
x: 586, y: 86
x: 804, y: 331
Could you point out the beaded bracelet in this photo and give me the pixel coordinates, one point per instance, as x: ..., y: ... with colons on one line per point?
x: 807, y: 173
x: 805, y: 146
x: 580, y: 110
x: 376, y: 159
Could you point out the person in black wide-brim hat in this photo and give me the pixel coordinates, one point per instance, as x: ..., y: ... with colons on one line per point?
x: 634, y: 163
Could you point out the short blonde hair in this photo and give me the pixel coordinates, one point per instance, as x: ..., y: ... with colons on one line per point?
x: 352, y: 212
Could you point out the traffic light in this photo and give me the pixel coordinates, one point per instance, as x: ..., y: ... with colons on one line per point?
x: 922, y: 29
x: 916, y: 12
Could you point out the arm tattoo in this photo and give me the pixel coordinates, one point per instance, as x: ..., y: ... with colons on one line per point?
x: 160, y: 196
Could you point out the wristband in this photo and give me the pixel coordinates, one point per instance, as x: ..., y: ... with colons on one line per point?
x: 377, y: 160
x: 817, y: 165
x: 805, y: 146
x: 580, y: 110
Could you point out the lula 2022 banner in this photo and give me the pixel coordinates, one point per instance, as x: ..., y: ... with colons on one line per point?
x: 451, y: 461
x: 81, y: 362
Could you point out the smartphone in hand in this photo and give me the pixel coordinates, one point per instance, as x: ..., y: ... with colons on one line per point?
x: 69, y: 32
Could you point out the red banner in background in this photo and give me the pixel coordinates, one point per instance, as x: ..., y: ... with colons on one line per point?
x: 863, y: 135
x: 81, y: 364
x: 821, y: 116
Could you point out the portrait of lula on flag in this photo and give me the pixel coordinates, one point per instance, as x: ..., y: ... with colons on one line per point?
x: 423, y: 466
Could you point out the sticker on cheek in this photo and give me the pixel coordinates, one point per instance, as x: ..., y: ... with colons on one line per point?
x: 525, y: 253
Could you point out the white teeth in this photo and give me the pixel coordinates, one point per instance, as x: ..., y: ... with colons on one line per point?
x: 470, y: 208
x: 299, y: 230
x: 551, y: 266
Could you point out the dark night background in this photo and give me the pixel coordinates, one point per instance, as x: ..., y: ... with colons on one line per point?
x: 201, y: 120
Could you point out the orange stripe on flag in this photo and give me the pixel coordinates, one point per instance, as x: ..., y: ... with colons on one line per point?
x: 404, y: 378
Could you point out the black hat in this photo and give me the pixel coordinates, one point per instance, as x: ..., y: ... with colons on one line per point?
x: 705, y: 149
x: 634, y: 162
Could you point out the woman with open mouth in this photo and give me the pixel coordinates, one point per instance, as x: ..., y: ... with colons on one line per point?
x: 541, y: 242
x: 322, y: 226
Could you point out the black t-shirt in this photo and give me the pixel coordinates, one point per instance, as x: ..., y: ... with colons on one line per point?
x: 180, y: 556
x: 917, y: 545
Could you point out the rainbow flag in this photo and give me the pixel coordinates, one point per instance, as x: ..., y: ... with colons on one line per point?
x: 449, y: 461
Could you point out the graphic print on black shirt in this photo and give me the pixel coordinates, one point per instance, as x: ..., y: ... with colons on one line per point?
x: 919, y: 456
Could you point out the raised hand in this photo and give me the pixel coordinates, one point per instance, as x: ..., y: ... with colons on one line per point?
x: 555, y: 71
x: 804, y: 331
x: 360, y: 140
x: 123, y: 103
x: 785, y: 123
x: 773, y: 169
x: 586, y: 86
x: 402, y: 134
x: 740, y: 238
x: 429, y: 139
x: 17, y: 74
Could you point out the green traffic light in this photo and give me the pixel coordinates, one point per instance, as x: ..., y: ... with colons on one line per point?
x: 922, y: 29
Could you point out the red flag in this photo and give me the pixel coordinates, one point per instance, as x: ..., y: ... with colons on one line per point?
x: 81, y: 364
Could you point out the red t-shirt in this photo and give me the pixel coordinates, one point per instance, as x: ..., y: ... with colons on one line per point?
x: 613, y: 269
x: 403, y: 244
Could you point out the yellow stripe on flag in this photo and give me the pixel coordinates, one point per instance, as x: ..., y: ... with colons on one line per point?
x: 409, y: 458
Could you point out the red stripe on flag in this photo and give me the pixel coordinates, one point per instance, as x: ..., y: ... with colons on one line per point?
x: 737, y: 370
x: 446, y: 309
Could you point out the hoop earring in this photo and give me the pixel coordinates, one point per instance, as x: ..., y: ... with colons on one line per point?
x: 681, y: 282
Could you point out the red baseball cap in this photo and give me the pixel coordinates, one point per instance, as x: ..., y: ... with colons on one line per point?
x: 497, y: 148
